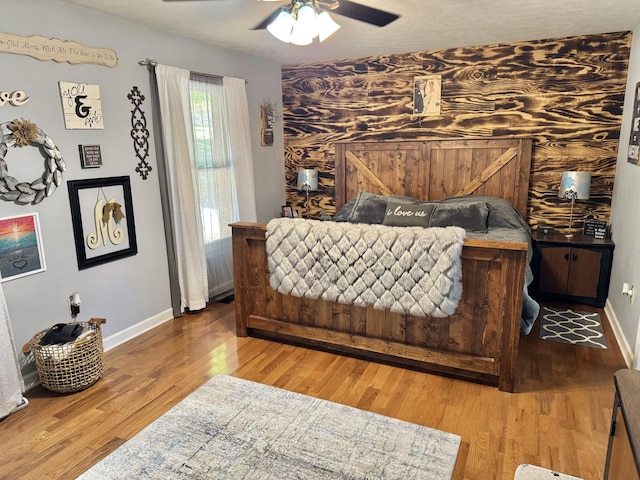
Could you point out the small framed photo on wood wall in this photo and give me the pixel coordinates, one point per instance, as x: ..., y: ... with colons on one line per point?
x: 286, y: 211
x: 427, y: 95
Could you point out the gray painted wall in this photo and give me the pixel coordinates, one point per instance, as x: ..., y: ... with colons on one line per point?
x: 135, y: 289
x: 625, y: 215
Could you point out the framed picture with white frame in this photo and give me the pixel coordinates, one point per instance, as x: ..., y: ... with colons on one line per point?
x: 21, y: 251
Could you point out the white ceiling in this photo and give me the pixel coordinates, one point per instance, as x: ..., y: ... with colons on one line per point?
x: 424, y: 25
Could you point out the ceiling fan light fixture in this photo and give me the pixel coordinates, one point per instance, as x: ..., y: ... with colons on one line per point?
x: 326, y: 26
x: 301, y: 23
x: 282, y: 26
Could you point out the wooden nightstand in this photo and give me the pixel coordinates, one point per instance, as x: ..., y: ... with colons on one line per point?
x: 573, y: 269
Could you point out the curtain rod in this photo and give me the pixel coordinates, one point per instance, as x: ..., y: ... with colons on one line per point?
x: 150, y: 62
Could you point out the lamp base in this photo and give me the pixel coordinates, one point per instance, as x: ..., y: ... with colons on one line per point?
x: 570, y: 234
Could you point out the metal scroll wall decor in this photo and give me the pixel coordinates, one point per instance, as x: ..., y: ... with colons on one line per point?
x: 22, y: 133
x: 139, y: 133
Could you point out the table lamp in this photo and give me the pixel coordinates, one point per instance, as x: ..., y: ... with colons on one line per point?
x: 307, y: 181
x: 574, y: 186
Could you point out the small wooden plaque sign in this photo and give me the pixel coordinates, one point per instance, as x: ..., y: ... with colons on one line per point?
x: 90, y: 156
x: 595, y: 228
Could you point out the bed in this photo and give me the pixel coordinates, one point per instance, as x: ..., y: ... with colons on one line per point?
x: 479, y: 340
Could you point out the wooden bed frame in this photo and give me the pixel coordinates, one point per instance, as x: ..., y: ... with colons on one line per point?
x: 480, y: 340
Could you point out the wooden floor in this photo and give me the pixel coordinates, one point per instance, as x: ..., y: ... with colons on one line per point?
x: 558, y: 418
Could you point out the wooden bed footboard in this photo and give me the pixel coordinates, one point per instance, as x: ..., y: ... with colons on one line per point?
x: 479, y: 341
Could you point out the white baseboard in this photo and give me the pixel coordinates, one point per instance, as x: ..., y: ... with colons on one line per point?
x: 133, y: 331
x: 625, y: 349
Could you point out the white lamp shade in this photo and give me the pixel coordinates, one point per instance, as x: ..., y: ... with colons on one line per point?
x: 307, y: 20
x: 326, y: 26
x: 575, y: 185
x: 307, y: 179
x: 282, y: 26
x: 299, y: 36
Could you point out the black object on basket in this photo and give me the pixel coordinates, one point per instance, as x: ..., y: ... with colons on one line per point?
x: 72, y: 366
x: 61, y: 333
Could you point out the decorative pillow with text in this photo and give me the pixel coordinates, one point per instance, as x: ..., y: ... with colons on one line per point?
x: 403, y: 215
x: 370, y: 207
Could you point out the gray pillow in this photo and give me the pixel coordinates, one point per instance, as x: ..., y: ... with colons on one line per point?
x: 343, y: 214
x: 371, y: 207
x: 403, y: 215
x: 470, y: 216
x: 502, y: 214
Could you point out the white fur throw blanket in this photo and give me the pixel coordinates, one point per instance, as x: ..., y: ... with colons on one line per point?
x: 409, y: 270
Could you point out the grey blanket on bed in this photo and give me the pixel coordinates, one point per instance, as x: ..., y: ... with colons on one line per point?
x: 409, y: 270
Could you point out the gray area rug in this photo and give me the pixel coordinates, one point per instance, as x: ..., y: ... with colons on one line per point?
x: 236, y: 429
x: 570, y: 326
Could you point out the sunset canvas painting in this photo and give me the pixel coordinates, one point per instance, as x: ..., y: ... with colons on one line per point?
x: 21, y: 250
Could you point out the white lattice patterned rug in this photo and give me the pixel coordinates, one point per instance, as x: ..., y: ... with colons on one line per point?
x: 570, y: 326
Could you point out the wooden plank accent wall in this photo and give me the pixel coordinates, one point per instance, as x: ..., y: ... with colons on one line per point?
x: 567, y: 94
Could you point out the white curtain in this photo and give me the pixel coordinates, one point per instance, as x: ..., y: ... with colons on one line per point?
x: 175, y: 116
x: 11, y: 385
x: 216, y: 182
x: 209, y: 172
x: 241, y: 154
x: 225, y: 170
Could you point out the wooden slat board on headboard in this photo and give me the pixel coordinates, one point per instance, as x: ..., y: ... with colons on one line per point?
x: 436, y: 169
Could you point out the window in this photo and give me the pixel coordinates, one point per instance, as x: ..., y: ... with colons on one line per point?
x: 215, y: 177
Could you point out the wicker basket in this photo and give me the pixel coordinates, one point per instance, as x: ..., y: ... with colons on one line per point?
x: 72, y: 366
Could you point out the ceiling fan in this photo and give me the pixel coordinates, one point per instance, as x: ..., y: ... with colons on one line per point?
x: 345, y: 8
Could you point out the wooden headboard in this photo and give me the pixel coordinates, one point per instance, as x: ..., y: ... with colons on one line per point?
x: 436, y: 169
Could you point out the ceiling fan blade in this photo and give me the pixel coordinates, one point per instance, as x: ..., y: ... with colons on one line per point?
x: 363, y: 13
x: 265, y: 23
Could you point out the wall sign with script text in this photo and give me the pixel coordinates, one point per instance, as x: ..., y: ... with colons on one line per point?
x: 55, y: 49
x: 81, y: 106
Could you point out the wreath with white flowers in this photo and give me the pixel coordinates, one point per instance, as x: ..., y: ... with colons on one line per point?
x: 21, y: 133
